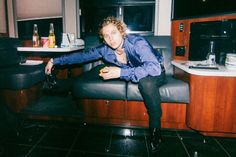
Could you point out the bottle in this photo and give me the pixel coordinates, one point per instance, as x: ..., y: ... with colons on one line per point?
x: 211, y: 54
x: 51, y: 37
x: 35, y: 37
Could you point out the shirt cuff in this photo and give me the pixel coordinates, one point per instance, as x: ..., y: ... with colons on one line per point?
x: 125, y: 73
x: 56, y: 61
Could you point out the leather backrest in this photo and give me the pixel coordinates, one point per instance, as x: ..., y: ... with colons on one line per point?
x: 164, y: 46
x: 8, y: 52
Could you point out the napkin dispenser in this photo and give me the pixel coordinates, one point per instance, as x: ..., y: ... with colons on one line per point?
x: 68, y: 40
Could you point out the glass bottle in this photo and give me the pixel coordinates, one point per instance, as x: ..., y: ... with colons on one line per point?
x: 211, y: 57
x: 35, y: 37
x: 51, y: 37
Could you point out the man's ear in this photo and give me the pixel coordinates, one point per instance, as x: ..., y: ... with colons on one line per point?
x: 123, y: 35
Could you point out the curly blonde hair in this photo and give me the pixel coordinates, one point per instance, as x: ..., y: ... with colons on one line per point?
x: 121, y: 26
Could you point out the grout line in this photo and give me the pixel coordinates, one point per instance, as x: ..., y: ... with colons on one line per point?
x: 54, y: 148
x: 222, y: 147
x: 30, y: 151
x: 72, y: 145
x: 146, y: 143
x: 181, y: 140
x: 109, y: 145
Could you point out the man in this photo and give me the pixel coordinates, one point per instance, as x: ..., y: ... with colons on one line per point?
x: 134, y: 59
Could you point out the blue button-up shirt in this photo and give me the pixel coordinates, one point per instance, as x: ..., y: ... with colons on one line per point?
x: 143, y: 59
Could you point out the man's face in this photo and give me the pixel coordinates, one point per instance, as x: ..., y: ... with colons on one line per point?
x: 112, y: 36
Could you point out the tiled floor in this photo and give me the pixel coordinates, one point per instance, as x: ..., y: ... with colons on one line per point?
x: 57, y: 139
x: 67, y: 139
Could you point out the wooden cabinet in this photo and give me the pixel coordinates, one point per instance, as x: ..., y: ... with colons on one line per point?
x: 19, y: 99
x: 173, y: 114
x: 130, y: 113
x: 103, y: 108
x: 102, y: 111
x: 212, y: 107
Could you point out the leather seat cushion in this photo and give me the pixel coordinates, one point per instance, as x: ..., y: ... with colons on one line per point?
x: 21, y: 76
x: 173, y: 91
x: 91, y: 85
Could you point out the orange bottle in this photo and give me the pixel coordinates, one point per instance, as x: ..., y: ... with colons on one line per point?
x: 35, y: 37
x: 51, y: 37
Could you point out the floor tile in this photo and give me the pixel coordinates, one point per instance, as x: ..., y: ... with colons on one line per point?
x: 14, y: 150
x: 28, y: 135
x: 169, y: 132
x: 204, y: 146
x: 171, y: 147
x: 64, y: 139
x: 189, y: 134
x: 128, y: 145
x: 59, y: 138
x: 47, y: 152
x: 228, y: 144
x: 88, y: 154
x: 93, y: 139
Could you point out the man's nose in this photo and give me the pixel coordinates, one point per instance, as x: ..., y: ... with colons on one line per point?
x: 110, y: 38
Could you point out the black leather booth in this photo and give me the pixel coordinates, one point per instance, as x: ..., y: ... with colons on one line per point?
x: 118, y: 102
x: 90, y: 86
x: 15, y: 77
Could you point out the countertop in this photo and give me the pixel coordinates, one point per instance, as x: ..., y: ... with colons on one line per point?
x: 221, y: 71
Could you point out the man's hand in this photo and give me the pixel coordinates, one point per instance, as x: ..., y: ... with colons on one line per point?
x: 110, y: 72
x: 48, y: 68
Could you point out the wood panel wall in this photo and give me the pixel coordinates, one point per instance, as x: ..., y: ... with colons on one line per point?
x: 181, y: 38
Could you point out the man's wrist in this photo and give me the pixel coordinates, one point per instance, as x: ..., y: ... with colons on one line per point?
x: 51, y: 60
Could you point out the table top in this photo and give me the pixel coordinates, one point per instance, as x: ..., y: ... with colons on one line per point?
x: 41, y: 49
x: 221, y: 71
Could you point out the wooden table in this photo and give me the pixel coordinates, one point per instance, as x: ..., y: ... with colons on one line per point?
x: 44, y: 54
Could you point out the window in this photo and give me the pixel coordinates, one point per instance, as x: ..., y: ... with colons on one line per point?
x: 25, y: 28
x: 3, y: 24
x: 90, y: 22
x: 41, y: 13
x: 139, y: 18
x: 137, y: 14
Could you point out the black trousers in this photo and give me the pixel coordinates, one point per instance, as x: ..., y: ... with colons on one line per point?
x: 149, y: 89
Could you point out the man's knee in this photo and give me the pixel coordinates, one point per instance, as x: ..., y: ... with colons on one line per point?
x: 145, y: 83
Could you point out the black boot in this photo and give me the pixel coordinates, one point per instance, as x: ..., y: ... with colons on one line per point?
x: 155, y: 139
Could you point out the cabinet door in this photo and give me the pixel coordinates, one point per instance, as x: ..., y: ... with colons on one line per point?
x: 173, y: 114
x: 136, y: 110
x: 103, y: 108
x: 212, y: 105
